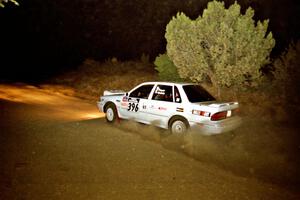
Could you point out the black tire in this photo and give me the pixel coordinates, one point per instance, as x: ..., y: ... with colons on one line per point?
x: 111, y: 113
x: 178, y: 126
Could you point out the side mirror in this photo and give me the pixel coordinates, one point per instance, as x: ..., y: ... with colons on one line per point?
x: 177, y: 100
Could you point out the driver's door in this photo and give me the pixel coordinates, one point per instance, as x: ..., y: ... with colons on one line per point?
x: 131, y: 103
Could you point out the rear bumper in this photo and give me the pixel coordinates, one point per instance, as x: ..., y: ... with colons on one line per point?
x: 217, y: 127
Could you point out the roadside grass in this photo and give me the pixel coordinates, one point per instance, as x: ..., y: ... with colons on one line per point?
x: 92, y: 78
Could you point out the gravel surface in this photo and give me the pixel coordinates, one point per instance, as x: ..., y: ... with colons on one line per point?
x: 59, y: 147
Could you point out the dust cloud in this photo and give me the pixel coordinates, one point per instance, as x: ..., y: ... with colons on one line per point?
x: 258, y: 149
x: 58, y: 102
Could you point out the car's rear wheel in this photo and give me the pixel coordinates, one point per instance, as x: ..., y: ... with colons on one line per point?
x: 179, y: 126
x: 111, y: 113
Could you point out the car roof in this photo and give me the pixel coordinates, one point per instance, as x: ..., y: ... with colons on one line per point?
x: 166, y: 82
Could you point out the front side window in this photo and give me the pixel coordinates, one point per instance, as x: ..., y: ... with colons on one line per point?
x: 195, y: 93
x: 163, y: 93
x: 142, y: 92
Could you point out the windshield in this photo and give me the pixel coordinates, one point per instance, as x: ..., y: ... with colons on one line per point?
x: 195, y: 93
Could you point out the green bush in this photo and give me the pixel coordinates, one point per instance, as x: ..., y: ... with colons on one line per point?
x: 5, y: 1
x: 222, y: 46
x: 167, y: 71
x: 287, y: 74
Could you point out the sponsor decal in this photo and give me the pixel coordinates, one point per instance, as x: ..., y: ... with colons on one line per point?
x: 133, y: 100
x: 179, y: 109
x: 133, y: 107
x: 133, y: 104
x: 162, y: 108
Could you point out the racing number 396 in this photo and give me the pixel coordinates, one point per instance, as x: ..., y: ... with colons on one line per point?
x: 133, y: 107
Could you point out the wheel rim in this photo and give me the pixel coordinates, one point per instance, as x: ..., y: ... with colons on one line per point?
x: 110, y: 114
x: 178, y: 127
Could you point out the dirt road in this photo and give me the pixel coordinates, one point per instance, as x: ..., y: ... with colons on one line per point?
x: 59, y: 147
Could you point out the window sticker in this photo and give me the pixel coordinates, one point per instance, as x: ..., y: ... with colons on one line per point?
x: 159, y: 91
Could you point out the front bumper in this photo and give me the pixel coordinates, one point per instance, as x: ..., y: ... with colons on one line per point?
x: 217, y: 127
x: 100, y: 106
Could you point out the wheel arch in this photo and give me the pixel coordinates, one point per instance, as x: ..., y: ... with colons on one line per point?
x: 175, y: 117
x: 110, y: 103
x: 107, y: 104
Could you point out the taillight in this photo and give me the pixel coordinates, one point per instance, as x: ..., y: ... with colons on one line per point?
x: 201, y: 113
x: 219, y: 116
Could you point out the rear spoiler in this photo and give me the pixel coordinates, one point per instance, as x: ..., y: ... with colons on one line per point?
x: 219, y: 105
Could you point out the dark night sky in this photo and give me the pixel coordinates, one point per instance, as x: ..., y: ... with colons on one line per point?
x: 40, y: 38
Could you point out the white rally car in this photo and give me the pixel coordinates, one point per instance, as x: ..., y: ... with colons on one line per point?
x: 173, y: 106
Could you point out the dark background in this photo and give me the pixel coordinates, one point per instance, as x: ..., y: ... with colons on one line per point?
x: 40, y: 39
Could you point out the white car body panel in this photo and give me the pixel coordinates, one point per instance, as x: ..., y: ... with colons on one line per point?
x: 159, y: 113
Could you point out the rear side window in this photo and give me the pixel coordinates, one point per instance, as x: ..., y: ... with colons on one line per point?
x: 142, y: 92
x: 177, y: 95
x: 163, y: 93
x: 196, y: 93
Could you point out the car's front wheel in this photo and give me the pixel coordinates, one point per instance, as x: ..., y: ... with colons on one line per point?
x: 179, y: 126
x: 111, y: 113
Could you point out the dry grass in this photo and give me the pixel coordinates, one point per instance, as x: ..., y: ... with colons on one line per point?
x: 265, y: 103
x: 92, y: 77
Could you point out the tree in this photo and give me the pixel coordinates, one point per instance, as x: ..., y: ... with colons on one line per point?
x: 167, y: 71
x: 5, y: 1
x: 222, y: 46
x: 287, y: 74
